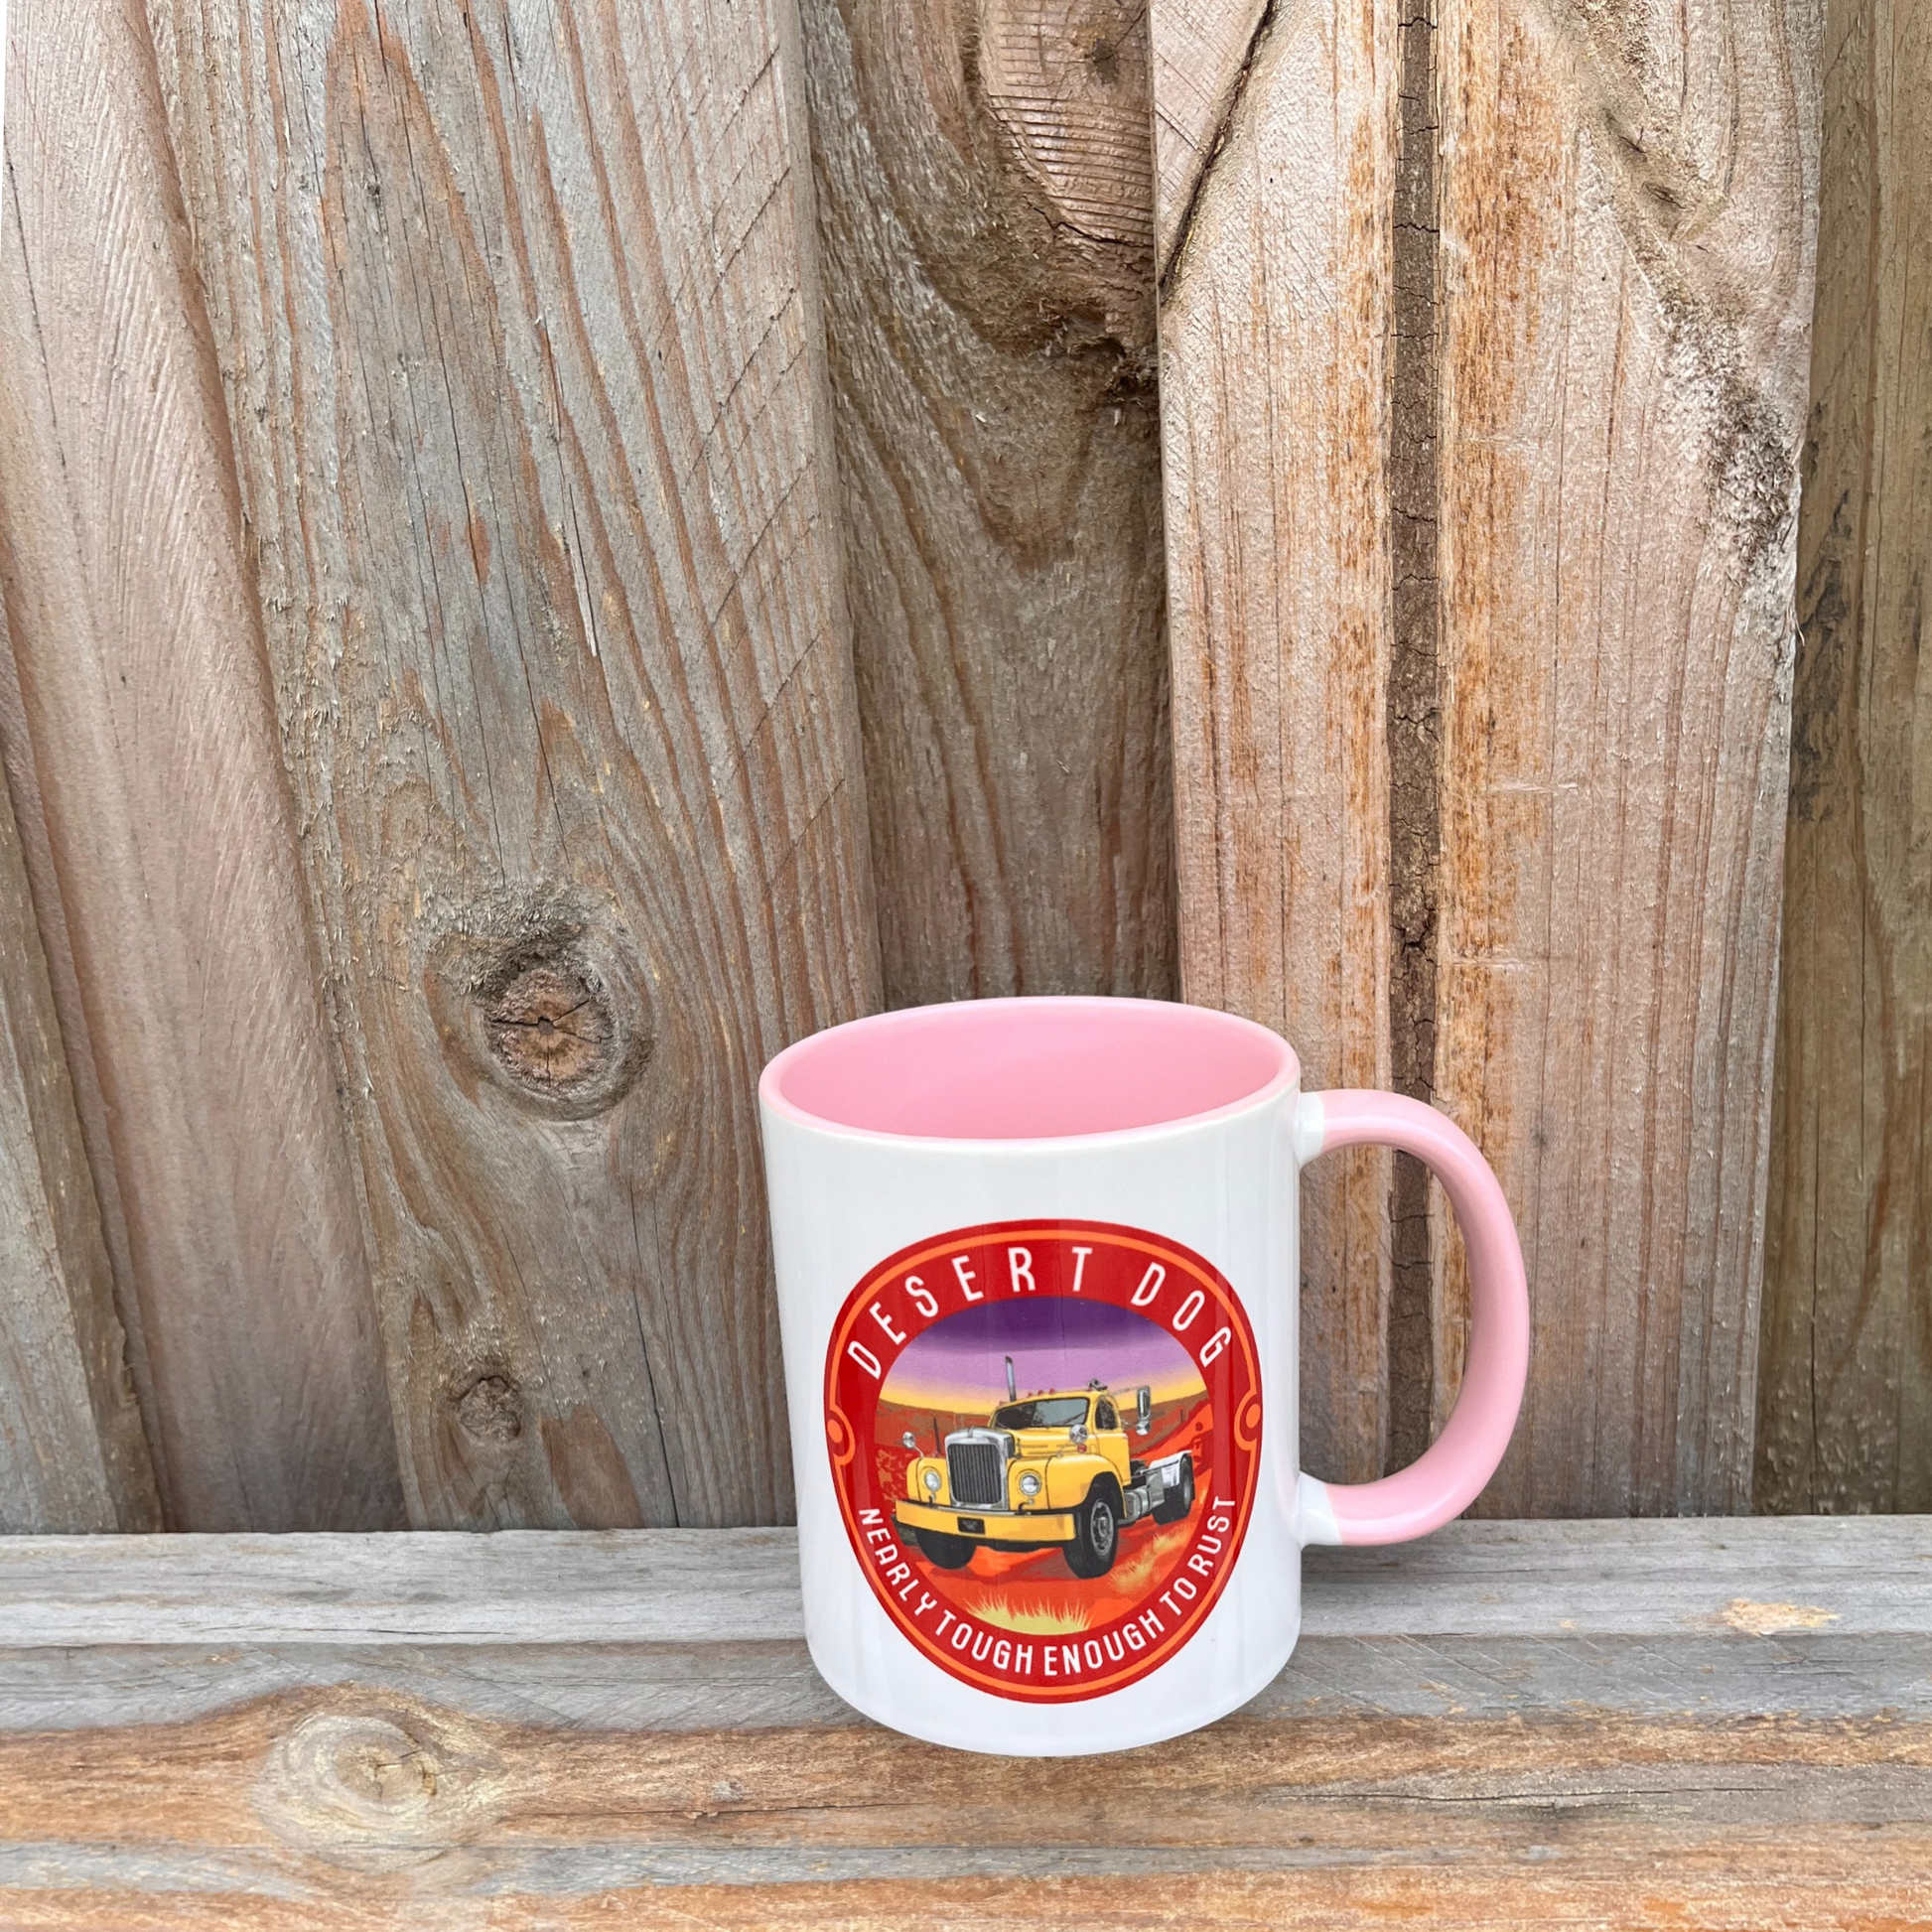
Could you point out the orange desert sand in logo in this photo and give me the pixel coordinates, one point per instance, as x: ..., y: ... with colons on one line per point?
x: 1044, y: 1437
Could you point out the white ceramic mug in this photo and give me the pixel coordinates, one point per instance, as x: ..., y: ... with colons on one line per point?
x: 1037, y: 1265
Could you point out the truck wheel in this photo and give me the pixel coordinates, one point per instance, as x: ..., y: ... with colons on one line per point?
x: 944, y: 1552
x: 1175, y: 1507
x: 1096, y: 1532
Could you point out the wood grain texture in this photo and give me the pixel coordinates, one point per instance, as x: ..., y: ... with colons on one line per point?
x: 335, y: 1731
x: 514, y: 307
x: 347, y: 1809
x: 986, y: 209
x: 71, y: 1452
x: 1202, y: 53
x: 1413, y: 720
x: 1275, y: 301
x: 1484, y: 344
x: 1627, y: 212
x: 1649, y: 1578
x: 1845, y: 1414
x: 155, y: 818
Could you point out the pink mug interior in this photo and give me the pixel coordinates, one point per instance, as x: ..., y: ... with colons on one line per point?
x: 1027, y: 1069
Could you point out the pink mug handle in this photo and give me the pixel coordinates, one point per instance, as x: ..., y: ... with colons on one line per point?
x: 1450, y: 1473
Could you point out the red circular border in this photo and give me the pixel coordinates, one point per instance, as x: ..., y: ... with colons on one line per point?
x: 1243, y: 1425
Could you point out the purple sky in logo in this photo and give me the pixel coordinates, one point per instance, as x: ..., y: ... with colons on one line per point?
x: 1055, y: 1341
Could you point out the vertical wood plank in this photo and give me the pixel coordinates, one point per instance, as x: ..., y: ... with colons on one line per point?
x: 986, y: 208
x: 140, y: 742
x: 515, y: 309
x: 1276, y: 145
x: 1628, y: 228
x: 1514, y: 675
x: 1844, y: 1418
x: 71, y: 1452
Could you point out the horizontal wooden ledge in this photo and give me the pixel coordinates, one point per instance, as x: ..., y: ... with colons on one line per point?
x: 1726, y: 1722
x: 1658, y: 1576
x: 1817, y: 1617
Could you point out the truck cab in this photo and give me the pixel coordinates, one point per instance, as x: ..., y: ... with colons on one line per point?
x: 1051, y: 1471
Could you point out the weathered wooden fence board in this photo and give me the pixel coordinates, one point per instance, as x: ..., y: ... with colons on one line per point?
x: 1844, y: 1418
x: 1548, y: 1583
x: 1510, y: 1724
x: 1276, y: 183
x: 71, y: 1452
x: 1519, y: 664
x: 468, y: 426
x: 516, y: 313
x: 140, y: 742
x: 986, y: 210
x: 1627, y: 209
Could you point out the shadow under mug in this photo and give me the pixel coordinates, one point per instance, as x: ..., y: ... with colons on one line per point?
x: 1038, y: 1266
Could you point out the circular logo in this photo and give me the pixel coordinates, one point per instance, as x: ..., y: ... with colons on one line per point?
x: 1044, y: 1435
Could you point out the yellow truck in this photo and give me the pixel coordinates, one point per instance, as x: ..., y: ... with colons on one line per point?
x: 1047, y: 1472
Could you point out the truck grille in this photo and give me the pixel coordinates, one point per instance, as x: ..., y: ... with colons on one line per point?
x: 975, y: 1471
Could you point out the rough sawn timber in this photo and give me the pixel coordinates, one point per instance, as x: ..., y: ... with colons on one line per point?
x: 155, y: 820
x: 1628, y: 204
x: 986, y: 208
x: 1726, y: 1724
x: 71, y: 1452
x: 1844, y: 1413
x: 1481, y: 484
x: 1275, y: 159
x: 515, y: 311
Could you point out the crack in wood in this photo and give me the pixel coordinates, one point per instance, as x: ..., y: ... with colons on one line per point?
x: 1224, y: 133
x: 1414, y: 715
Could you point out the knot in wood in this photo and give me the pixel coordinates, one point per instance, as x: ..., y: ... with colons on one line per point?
x: 375, y: 1791
x: 1069, y: 87
x: 547, y: 1008
x: 489, y: 1411
x: 551, y: 1031
x: 372, y: 1767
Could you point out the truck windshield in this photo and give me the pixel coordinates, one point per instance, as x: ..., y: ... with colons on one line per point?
x: 1043, y: 1412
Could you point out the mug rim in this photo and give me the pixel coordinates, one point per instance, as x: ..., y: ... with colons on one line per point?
x: 1283, y: 1078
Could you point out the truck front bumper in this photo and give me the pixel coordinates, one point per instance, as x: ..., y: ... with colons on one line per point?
x: 996, y: 1526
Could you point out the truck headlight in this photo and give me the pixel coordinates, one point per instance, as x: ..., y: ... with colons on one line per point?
x: 1029, y: 1484
x: 932, y: 1482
